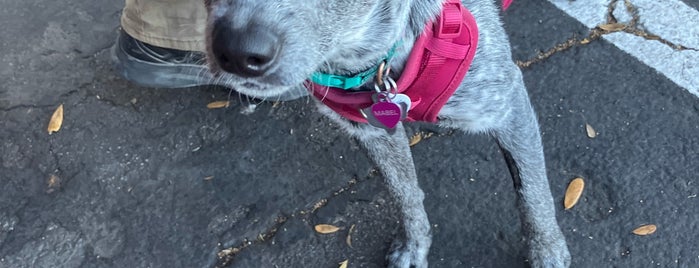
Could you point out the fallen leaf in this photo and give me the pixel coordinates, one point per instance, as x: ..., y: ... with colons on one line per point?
x: 645, y: 229
x: 591, y: 133
x: 415, y: 139
x: 344, y: 264
x: 218, y: 104
x: 349, y: 235
x: 209, y: 178
x: 56, y: 120
x: 326, y: 228
x: 573, y: 193
x: 585, y: 41
x: 612, y: 27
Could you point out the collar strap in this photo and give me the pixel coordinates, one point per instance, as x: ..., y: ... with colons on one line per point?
x: 347, y: 82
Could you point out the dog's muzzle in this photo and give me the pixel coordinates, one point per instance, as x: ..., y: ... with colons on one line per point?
x: 249, y: 51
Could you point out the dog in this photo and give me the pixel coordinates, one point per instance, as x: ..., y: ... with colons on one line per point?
x: 266, y: 48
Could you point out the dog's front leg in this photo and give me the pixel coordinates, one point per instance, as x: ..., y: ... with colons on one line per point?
x: 391, y: 153
x: 521, y: 145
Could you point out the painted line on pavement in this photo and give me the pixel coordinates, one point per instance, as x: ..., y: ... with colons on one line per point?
x: 672, y: 20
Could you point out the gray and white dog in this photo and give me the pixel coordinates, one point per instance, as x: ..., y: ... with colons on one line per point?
x: 267, y: 48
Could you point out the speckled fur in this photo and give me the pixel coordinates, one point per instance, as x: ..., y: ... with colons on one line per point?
x: 347, y: 36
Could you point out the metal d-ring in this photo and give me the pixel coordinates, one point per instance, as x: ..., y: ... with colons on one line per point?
x: 392, y: 87
x: 389, y: 86
x: 385, y: 81
x: 380, y: 73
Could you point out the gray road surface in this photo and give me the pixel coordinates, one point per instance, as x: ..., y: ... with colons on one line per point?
x: 152, y: 178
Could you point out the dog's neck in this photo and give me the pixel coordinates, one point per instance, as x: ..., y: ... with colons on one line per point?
x: 416, y: 18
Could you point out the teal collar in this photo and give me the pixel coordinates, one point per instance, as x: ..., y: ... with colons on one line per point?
x: 347, y: 82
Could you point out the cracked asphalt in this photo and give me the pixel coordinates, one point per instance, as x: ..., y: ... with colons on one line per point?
x: 148, y: 177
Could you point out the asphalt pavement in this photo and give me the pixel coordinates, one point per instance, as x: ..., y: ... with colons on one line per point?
x: 143, y: 177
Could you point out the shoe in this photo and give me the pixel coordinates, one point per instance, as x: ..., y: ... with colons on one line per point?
x: 157, y: 67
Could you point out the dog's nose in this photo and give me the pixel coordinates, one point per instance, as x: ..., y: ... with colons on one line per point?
x: 247, y: 52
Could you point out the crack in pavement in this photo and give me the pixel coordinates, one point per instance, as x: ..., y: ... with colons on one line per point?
x: 633, y: 26
x: 226, y: 256
x: 98, y: 51
x: 26, y: 106
x: 611, y: 26
x: 54, y: 181
x: 65, y: 95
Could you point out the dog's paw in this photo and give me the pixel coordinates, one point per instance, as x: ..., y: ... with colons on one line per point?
x: 408, y: 254
x: 549, y: 253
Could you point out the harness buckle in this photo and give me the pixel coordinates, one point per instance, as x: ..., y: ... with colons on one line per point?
x: 450, y: 22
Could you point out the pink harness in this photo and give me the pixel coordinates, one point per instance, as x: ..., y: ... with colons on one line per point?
x: 437, y: 64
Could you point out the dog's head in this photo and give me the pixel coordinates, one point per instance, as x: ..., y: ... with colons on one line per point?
x: 264, y: 48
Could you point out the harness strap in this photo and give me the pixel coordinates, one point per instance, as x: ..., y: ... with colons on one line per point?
x: 447, y: 56
x: 435, y: 68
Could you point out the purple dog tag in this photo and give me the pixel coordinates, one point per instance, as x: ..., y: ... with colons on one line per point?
x: 387, y: 113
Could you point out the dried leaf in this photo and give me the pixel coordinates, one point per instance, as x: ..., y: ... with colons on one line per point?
x: 326, y: 228
x: 349, y: 235
x: 344, y: 264
x: 218, y: 104
x: 645, y: 229
x: 573, y: 193
x: 415, y: 139
x: 591, y: 133
x: 56, y: 120
x: 612, y: 27
x: 585, y: 41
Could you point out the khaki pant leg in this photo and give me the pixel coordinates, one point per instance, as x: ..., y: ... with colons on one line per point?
x: 177, y: 24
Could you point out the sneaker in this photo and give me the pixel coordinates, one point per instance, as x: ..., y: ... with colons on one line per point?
x: 157, y: 67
